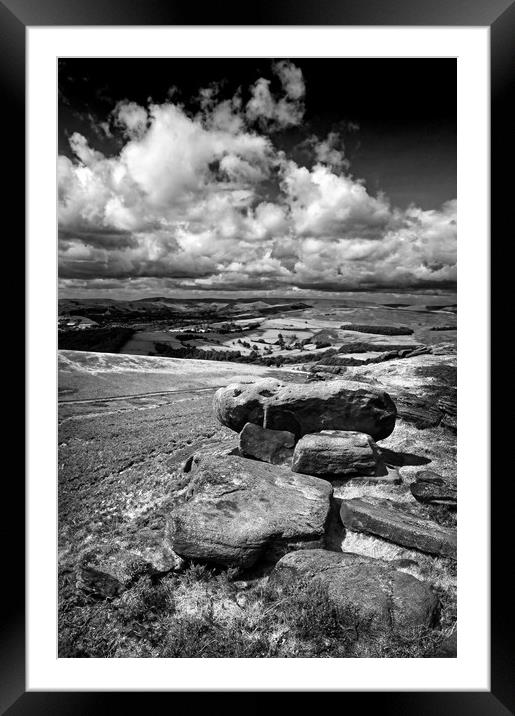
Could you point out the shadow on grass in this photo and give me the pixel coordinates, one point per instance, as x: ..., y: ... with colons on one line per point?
x: 400, y: 459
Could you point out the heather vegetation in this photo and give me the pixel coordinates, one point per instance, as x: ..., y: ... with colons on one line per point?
x: 208, y: 613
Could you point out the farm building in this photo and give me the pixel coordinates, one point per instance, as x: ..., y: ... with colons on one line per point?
x: 76, y: 322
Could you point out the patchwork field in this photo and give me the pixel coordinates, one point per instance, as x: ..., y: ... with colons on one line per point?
x: 320, y: 322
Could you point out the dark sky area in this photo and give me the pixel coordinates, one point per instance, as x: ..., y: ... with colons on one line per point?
x: 162, y: 184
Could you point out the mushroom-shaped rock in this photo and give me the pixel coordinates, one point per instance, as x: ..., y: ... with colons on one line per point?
x: 336, y: 454
x: 381, y: 596
x: 235, y: 511
x: 302, y: 408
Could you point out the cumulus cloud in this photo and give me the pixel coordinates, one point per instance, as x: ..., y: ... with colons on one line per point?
x: 329, y: 151
x: 187, y: 203
x: 274, y: 114
x: 325, y: 204
x: 291, y: 79
x: 131, y: 118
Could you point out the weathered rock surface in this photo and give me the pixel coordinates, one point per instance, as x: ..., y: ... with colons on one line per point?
x: 399, y: 525
x: 273, y: 446
x: 423, y: 387
x: 390, y: 600
x: 107, y: 571
x: 236, y: 511
x: 431, y: 489
x: 428, y: 409
x: 216, y: 449
x: 150, y: 545
x: 302, y: 408
x: 336, y: 454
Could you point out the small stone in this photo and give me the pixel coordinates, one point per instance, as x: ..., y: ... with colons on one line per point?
x: 241, y: 584
x: 273, y: 446
x: 241, y: 600
x: 336, y: 454
x: 431, y: 489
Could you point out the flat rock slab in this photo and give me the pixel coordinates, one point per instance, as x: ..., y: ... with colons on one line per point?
x: 390, y: 521
x: 303, y: 408
x: 336, y: 454
x: 381, y: 596
x: 432, y: 489
x: 236, y: 511
x: 273, y: 446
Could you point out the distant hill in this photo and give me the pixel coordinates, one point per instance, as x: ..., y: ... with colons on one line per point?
x: 160, y: 307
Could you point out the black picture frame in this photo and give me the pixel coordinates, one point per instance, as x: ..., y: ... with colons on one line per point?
x: 499, y: 15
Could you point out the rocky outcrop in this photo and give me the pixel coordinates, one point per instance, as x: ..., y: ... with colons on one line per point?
x: 235, y: 511
x: 429, y: 408
x: 306, y: 408
x: 422, y: 387
x: 398, y: 524
x: 430, y: 488
x: 273, y: 446
x: 382, y: 598
x: 336, y: 454
x: 418, y: 409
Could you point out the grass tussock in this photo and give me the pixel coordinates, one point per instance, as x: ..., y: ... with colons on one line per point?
x: 204, y: 613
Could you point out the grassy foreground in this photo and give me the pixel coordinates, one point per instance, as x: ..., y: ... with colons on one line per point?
x: 207, y: 613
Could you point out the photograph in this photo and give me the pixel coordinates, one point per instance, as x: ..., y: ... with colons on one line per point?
x: 257, y: 357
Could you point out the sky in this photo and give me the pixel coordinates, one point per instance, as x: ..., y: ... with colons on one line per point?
x: 255, y: 176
